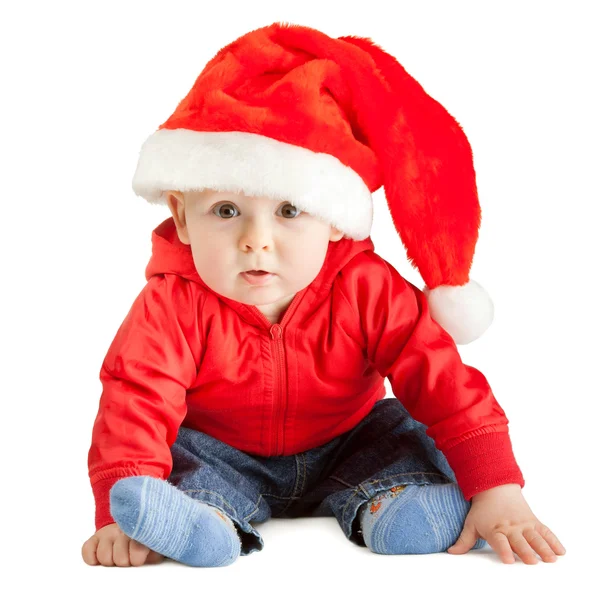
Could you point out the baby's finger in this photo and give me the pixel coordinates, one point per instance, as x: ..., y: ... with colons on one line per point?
x: 539, y: 544
x: 121, y: 551
x: 501, y: 546
x: 552, y: 540
x: 138, y: 553
x: 104, y: 552
x: 522, y: 548
x: 88, y: 551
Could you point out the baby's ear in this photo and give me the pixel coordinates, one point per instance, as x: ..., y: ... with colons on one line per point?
x: 175, y: 202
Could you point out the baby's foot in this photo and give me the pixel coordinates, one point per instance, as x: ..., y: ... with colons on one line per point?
x: 160, y: 516
x: 415, y: 519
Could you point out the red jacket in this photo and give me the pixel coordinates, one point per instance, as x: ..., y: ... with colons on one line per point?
x: 185, y: 355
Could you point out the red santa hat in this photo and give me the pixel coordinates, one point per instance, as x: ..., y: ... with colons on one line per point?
x: 286, y: 111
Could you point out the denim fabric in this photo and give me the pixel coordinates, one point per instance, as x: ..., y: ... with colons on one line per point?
x: 387, y: 448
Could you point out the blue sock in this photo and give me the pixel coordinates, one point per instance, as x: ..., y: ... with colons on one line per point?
x: 415, y: 519
x: 163, y: 518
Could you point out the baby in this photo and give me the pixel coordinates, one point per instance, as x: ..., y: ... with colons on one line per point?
x: 247, y: 380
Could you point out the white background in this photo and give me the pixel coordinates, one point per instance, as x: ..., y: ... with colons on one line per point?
x: 85, y: 83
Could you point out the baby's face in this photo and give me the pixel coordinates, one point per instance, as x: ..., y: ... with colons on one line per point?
x: 231, y: 233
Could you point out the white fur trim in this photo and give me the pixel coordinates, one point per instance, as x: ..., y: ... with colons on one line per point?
x: 235, y: 161
x: 464, y: 311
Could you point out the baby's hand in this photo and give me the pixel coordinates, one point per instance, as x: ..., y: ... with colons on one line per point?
x: 109, y: 546
x: 502, y: 517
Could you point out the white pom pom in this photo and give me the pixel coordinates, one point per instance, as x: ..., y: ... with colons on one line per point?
x: 464, y: 311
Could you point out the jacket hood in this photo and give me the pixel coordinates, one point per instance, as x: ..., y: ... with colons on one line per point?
x: 169, y: 255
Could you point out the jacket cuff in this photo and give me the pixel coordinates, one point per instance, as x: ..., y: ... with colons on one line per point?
x: 483, y: 462
x: 101, y: 490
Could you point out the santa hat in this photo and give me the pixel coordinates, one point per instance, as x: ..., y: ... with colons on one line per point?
x: 286, y: 111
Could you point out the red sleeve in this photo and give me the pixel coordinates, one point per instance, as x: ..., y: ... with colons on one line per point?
x: 145, y: 375
x: 427, y: 375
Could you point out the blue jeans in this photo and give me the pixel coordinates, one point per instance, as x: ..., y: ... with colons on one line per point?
x: 387, y: 448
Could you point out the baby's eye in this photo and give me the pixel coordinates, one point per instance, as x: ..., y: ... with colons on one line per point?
x: 289, y: 210
x: 226, y: 214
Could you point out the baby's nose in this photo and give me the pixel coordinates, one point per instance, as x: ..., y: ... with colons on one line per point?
x: 257, y: 236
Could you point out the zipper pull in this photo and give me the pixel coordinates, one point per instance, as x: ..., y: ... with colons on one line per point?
x: 276, y: 331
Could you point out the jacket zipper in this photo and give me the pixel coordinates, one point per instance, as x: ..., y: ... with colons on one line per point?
x: 276, y: 331
x: 277, y: 334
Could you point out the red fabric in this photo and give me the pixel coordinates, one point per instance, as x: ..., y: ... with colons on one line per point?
x: 185, y: 355
x: 286, y: 83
